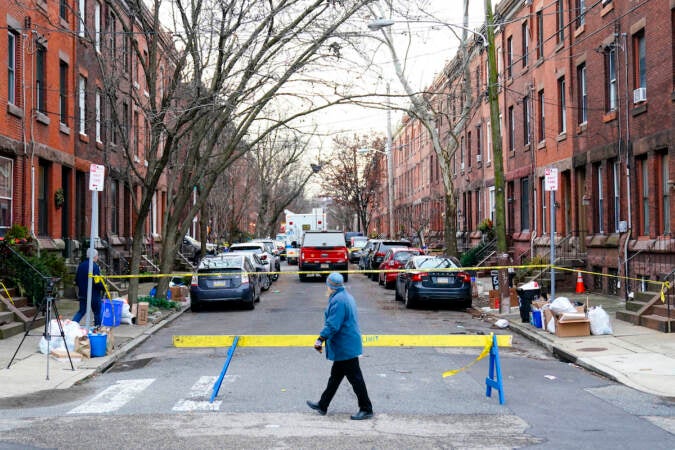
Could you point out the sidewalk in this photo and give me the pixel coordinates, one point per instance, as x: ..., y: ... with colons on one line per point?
x: 28, y: 372
x: 637, y: 357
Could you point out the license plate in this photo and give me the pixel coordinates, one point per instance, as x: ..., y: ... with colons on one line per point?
x: 324, y: 266
x: 220, y: 283
x: 442, y: 280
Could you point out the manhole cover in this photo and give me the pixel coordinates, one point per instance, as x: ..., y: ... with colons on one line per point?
x: 592, y: 349
x: 134, y: 364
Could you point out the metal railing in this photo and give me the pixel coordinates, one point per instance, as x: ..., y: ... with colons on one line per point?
x: 33, y: 283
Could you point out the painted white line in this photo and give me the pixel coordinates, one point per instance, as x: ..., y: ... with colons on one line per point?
x: 114, y: 397
x: 199, y: 396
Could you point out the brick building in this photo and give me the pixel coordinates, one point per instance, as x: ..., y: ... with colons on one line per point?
x: 586, y: 89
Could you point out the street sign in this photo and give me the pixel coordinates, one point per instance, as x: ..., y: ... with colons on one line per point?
x: 551, y: 179
x: 96, y: 177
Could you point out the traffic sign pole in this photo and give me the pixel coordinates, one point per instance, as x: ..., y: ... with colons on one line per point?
x: 551, y: 185
x: 96, y: 180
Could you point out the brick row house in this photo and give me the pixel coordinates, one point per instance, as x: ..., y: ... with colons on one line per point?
x: 72, y: 97
x: 586, y: 88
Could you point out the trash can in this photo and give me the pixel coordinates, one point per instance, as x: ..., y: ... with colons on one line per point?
x: 526, y: 294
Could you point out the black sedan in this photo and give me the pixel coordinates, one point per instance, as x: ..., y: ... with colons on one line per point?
x: 434, y: 279
x: 225, y: 278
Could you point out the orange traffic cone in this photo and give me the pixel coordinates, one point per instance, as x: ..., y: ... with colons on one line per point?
x: 580, y: 284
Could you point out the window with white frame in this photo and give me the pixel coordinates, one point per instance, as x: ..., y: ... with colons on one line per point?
x: 12, y: 47
x: 541, y: 109
x: 82, y: 105
x: 639, y: 60
x: 525, y: 48
x: 40, y: 79
x: 611, y: 88
x: 562, y: 106
x: 581, y: 12
x: 600, y: 198
x: 97, y: 26
x: 6, y: 187
x: 616, y: 190
x: 582, y: 108
x: 512, y: 129
x: 526, y: 120
x: 542, y: 196
x: 63, y: 92
x: 81, y: 31
x: 665, y: 192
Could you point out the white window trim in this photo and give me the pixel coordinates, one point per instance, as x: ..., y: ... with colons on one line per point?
x: 82, y: 107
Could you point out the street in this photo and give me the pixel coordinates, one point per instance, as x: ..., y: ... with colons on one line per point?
x: 158, y: 396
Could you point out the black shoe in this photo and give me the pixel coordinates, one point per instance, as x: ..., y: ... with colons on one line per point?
x: 316, y: 407
x: 362, y: 415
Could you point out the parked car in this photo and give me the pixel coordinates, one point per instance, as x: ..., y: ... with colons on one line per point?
x: 259, y: 249
x: 192, y: 248
x: 377, y: 254
x: 434, y: 279
x: 292, y: 254
x: 395, y: 259
x: 225, y: 278
x: 364, y: 260
x: 323, y: 251
x: 271, y: 248
x: 355, y: 246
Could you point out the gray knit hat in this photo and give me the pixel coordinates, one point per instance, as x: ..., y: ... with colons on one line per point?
x: 335, y: 281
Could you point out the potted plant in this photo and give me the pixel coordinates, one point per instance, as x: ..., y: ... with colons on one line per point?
x: 59, y: 198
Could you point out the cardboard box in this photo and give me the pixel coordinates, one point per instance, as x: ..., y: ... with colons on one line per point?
x: 573, y: 328
x: 176, y: 294
x: 185, y: 293
x: 494, y: 299
x: 514, y: 297
x: 142, y: 313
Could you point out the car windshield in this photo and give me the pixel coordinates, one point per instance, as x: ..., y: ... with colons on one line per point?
x: 359, y: 243
x: 437, y: 263
x: 230, y: 262
x: 404, y: 255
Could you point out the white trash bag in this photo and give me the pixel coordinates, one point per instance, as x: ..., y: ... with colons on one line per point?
x: 600, y: 321
x: 562, y: 305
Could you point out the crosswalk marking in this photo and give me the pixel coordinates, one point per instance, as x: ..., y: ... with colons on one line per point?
x: 114, y: 397
x: 199, y: 395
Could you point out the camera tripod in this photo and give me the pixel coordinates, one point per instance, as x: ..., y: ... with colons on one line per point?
x: 48, y: 309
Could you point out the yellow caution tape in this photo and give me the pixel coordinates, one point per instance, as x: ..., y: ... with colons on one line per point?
x: 369, y: 340
x: 664, y: 287
x: 483, y: 354
x: 7, y: 292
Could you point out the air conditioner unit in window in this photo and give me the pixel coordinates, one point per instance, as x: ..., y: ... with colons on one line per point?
x: 640, y: 95
x: 479, y: 158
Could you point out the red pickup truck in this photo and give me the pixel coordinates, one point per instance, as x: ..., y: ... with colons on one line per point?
x: 323, y: 251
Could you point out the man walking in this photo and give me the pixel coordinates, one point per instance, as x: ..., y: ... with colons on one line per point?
x: 342, y: 336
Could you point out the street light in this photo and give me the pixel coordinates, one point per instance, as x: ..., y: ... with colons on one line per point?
x: 379, y: 24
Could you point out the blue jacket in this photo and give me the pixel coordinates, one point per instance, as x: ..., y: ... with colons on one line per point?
x: 341, y: 327
x: 82, y: 279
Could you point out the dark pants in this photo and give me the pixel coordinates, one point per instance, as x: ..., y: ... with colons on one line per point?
x: 349, y: 368
x: 95, y: 308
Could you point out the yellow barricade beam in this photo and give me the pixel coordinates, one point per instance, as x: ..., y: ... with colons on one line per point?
x: 369, y: 340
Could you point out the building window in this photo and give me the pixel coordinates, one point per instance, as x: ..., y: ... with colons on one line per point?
x: 488, y: 141
x: 562, y: 119
x: 81, y: 24
x: 611, y: 93
x: 137, y: 125
x: 125, y: 53
x: 544, y: 215
x: 525, y: 204
x: 114, y: 211
x: 479, y: 143
x: 98, y: 117
x: 82, y: 105
x: 468, y: 148
x: 639, y: 63
x: 512, y: 129
x: 616, y: 190
x: 580, y: 6
x: 63, y: 92
x: 600, y: 196
x: 12, y: 47
x: 6, y: 186
x: 113, y: 37
x: 541, y: 116
x: 63, y: 9
x: 540, y: 35
x: 582, y: 100
x: 125, y: 123
x: 509, y: 57
x: 560, y: 21
x: 40, y: 81
x: 97, y: 26
x: 526, y: 120
x: 526, y: 43
x: 42, y: 200
x: 461, y: 153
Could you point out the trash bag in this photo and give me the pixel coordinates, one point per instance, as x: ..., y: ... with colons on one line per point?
x: 600, y: 321
x: 562, y: 305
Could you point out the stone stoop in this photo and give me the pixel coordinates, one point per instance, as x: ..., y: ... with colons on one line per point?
x: 16, y: 316
x: 650, y: 313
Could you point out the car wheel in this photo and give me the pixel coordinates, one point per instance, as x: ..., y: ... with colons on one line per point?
x: 266, y: 283
x: 195, y: 306
x: 250, y: 304
x: 345, y: 276
x: 467, y: 303
x: 397, y: 296
x: 380, y: 281
x: 275, y: 277
x: 409, y: 302
x: 389, y: 285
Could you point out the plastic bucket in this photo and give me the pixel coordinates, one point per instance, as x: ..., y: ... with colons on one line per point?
x: 536, y: 318
x: 111, y: 312
x: 98, y: 344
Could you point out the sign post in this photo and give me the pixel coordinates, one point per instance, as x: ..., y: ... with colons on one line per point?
x: 96, y: 179
x: 551, y: 185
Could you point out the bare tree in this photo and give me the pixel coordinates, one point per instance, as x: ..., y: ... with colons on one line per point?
x: 352, y: 179
x: 209, y: 80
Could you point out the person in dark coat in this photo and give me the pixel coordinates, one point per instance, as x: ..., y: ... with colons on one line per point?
x: 81, y: 279
x: 342, y: 337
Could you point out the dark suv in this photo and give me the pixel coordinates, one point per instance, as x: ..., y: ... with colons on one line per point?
x: 377, y: 255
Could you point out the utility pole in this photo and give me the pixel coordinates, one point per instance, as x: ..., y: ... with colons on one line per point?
x: 498, y: 161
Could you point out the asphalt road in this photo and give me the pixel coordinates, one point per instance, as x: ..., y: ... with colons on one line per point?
x: 158, y: 396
